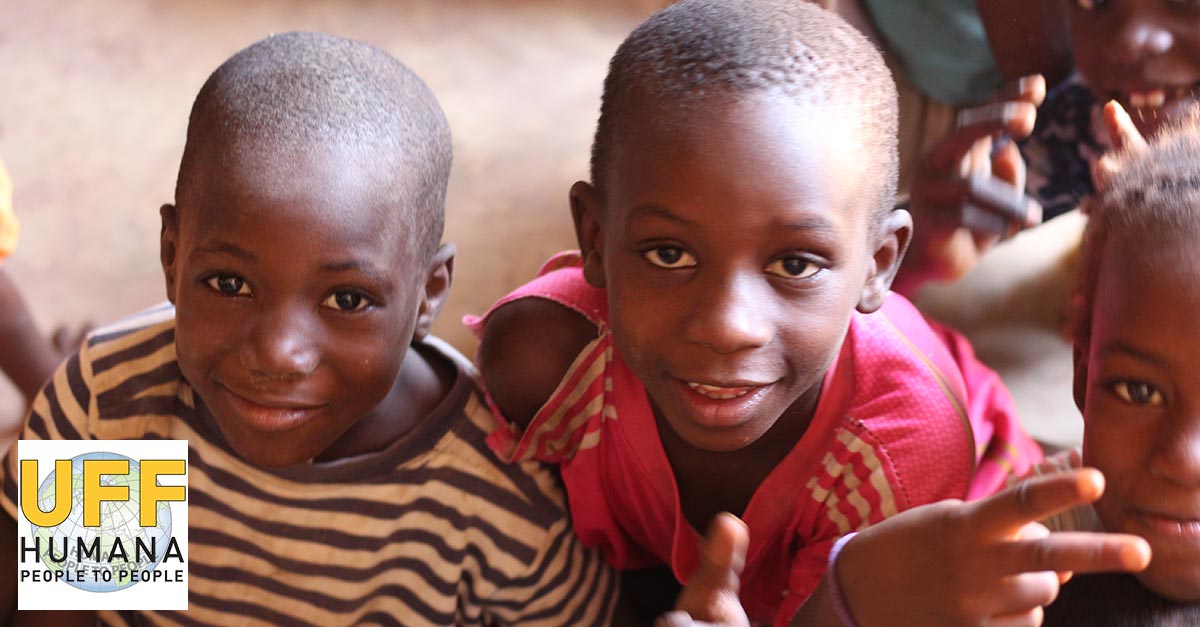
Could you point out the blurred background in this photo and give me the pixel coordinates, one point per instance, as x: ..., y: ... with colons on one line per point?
x: 95, y: 95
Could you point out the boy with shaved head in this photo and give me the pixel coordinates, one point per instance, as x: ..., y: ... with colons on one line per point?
x: 339, y: 474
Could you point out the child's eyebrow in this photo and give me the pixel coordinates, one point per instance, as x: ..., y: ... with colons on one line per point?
x: 807, y: 223
x: 228, y: 248
x: 814, y: 222
x: 352, y: 265
x: 653, y: 211
x: 1117, y: 347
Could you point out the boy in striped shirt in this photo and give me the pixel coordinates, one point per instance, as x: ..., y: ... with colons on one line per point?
x: 339, y: 474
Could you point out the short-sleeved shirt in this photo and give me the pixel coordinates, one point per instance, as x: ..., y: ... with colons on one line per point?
x: 901, y: 421
x: 431, y: 530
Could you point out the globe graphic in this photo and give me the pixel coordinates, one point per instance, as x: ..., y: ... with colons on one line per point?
x: 118, y: 521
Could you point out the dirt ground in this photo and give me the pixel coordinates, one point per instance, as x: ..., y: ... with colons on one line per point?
x: 94, y: 99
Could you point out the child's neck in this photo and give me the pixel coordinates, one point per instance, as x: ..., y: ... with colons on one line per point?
x: 711, y: 482
x: 425, y: 379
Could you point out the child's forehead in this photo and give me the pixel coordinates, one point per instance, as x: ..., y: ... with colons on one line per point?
x: 313, y: 184
x: 759, y: 139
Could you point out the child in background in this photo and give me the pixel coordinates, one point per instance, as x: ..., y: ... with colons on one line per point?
x: 27, y: 358
x: 338, y: 469
x: 725, y: 341
x: 1145, y: 54
x: 1136, y: 384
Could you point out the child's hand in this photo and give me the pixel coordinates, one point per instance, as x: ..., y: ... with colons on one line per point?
x: 966, y: 194
x: 1124, y: 137
x: 987, y: 562
x: 711, y: 595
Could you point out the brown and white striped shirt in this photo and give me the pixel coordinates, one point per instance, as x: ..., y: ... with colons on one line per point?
x: 433, y: 530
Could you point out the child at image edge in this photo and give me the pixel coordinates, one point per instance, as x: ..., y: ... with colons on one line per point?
x: 338, y: 469
x: 726, y: 340
x: 1137, y: 299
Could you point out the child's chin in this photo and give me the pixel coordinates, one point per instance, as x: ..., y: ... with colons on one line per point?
x: 1173, y: 579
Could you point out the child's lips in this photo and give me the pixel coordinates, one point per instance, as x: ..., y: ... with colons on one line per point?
x: 722, y: 392
x: 272, y: 414
x: 1151, y: 99
x: 1171, y: 526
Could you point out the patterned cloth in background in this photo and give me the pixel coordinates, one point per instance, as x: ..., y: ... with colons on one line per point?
x: 1066, y: 140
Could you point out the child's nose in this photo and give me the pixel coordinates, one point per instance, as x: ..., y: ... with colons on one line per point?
x: 1141, y: 36
x: 1176, y: 457
x: 730, y: 317
x: 282, y: 345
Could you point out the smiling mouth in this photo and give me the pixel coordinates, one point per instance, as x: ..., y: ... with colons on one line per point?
x: 272, y: 415
x: 722, y: 393
x: 1151, y: 102
x: 1171, y: 527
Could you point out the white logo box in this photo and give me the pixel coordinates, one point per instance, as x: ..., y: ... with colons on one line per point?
x: 162, y: 587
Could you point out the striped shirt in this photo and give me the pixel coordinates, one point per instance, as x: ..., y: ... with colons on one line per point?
x: 904, y: 418
x: 432, y: 530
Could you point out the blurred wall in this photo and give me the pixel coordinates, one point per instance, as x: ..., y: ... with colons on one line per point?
x: 94, y: 99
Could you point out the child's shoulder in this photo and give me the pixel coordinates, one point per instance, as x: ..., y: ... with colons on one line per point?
x: 530, y: 338
x: 528, y: 345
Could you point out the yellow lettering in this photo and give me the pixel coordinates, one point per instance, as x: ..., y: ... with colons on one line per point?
x: 94, y: 491
x: 152, y: 493
x: 62, y: 493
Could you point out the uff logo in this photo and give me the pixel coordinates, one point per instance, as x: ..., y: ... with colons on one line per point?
x: 102, y: 524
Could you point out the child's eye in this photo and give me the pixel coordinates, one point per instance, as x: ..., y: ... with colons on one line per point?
x: 1138, y: 393
x: 228, y: 285
x: 1088, y: 5
x: 793, y: 268
x: 346, y: 300
x: 670, y: 257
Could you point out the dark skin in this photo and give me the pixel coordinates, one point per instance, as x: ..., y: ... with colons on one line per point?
x: 1141, y: 53
x: 28, y: 358
x: 731, y: 326
x: 294, y: 316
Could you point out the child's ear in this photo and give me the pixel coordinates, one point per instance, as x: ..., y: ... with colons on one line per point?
x: 437, y: 288
x: 586, y: 210
x: 895, y: 232
x: 1079, y: 383
x: 167, y: 246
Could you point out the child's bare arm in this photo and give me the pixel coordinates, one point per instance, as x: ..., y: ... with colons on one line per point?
x: 527, y: 348
x: 27, y: 357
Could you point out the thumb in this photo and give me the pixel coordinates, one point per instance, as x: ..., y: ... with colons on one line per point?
x: 1121, y: 129
x: 711, y: 593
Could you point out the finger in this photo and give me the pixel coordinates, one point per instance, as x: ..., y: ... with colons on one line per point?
x: 1021, y: 593
x: 1008, y: 203
x: 1077, y: 552
x: 1031, y: 88
x: 1033, y: 499
x: 1030, y: 618
x: 1121, y: 129
x: 1037, y: 531
x: 1014, y: 118
x: 1008, y: 165
x: 722, y: 555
